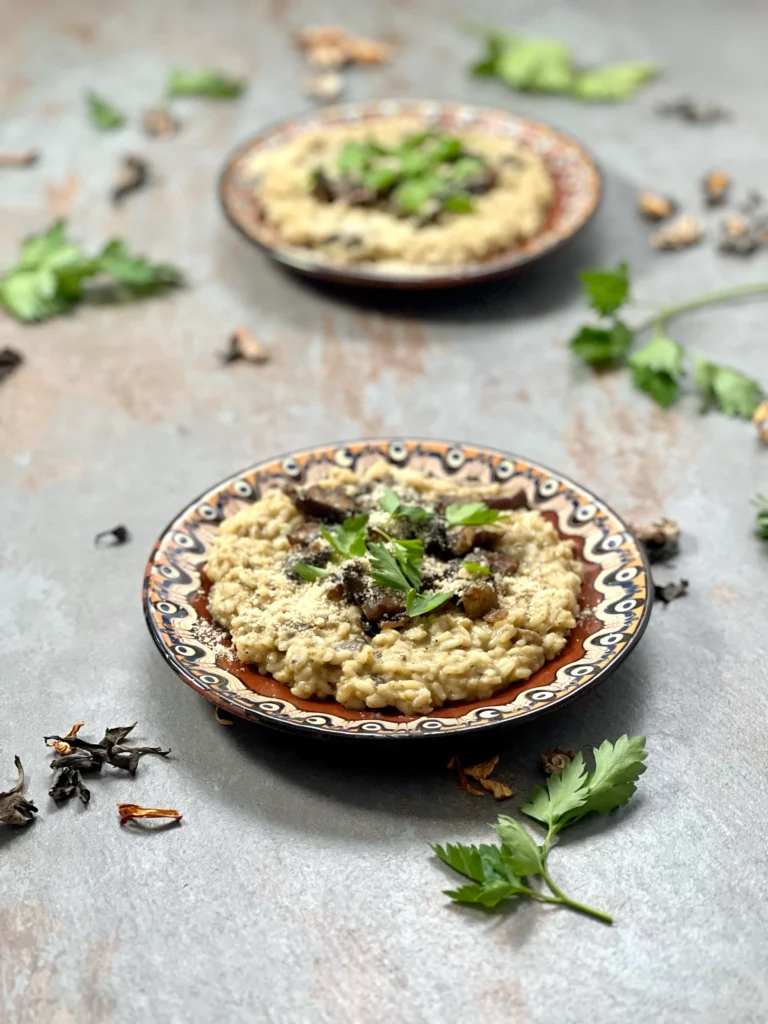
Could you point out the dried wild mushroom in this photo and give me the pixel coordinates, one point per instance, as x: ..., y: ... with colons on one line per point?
x: 243, y: 345
x: 22, y: 158
x: 670, y: 591
x: 113, y: 538
x: 66, y: 783
x: 132, y: 176
x: 556, y: 760
x: 661, y: 539
x: 10, y: 360
x: 679, y: 234
x: 15, y: 809
x: 715, y: 187
x: 738, y: 237
x: 159, y: 123
x: 482, y: 773
x: 128, y: 812
x: 326, y: 87
x: 760, y: 419
x: 461, y: 778
x: 220, y: 717
x: 111, y: 749
x: 656, y: 207
x: 482, y: 770
x: 693, y: 111
x: 500, y: 790
x: 330, y: 47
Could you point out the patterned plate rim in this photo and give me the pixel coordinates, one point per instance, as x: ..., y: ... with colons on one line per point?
x: 612, y: 549
x: 541, y: 245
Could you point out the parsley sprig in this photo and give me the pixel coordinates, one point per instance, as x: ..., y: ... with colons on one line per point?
x: 504, y: 872
x: 399, y: 566
x: 546, y: 65
x: 102, y: 114
x: 473, y: 513
x: 390, y: 502
x: 658, y: 367
x: 349, y: 539
x: 761, y: 523
x: 50, y: 275
x: 205, y: 82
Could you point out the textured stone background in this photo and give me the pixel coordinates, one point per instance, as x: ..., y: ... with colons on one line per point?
x: 300, y: 887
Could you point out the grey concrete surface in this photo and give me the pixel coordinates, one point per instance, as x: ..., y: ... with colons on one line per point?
x: 300, y: 888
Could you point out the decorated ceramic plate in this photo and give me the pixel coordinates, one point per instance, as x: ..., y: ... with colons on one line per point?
x: 614, y: 604
x: 575, y: 191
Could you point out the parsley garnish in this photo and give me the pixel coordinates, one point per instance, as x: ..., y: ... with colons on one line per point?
x: 761, y: 525
x: 657, y: 368
x: 51, y: 272
x: 502, y: 872
x: 205, y: 82
x: 420, y: 604
x: 400, y: 569
x: 546, y: 65
x: 310, y: 573
x: 348, y: 540
x: 391, y: 503
x: 477, y: 567
x: 103, y: 115
x: 474, y: 513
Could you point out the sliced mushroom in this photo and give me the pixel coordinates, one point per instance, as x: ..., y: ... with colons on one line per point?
x: 331, y: 504
x: 502, y: 563
x: 469, y: 537
x: 305, y: 533
x: 479, y: 598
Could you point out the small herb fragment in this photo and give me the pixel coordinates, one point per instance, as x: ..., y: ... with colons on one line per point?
x: 310, y: 573
x: 477, y: 567
x: 15, y: 809
x: 657, y: 369
x: 103, y: 115
x: 205, y: 82
x: 546, y: 65
x: 474, y: 513
x: 390, y: 503
x: 422, y: 604
x: 731, y: 391
x: 761, y: 517
x: 348, y: 539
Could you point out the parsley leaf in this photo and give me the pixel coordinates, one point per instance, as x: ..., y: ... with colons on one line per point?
x: 731, y: 391
x: 600, y: 346
x: 657, y: 369
x: 205, y: 82
x: 409, y: 555
x: 495, y: 42
x: 136, y: 273
x: 489, y: 894
x: 391, y: 503
x: 310, y: 573
x: 348, y: 540
x: 477, y: 567
x: 618, y: 766
x: 385, y: 569
x: 421, y: 604
x: 459, y: 202
x: 564, y: 794
x: 607, y: 290
x: 474, y: 513
x: 536, y: 65
x: 103, y: 115
x: 614, y: 82
x: 484, y: 863
x: 761, y: 524
x: 523, y: 851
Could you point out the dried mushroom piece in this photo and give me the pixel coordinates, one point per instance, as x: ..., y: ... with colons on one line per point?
x: 244, y: 345
x: 15, y: 809
x: 661, y: 539
x: 482, y: 773
x: 739, y: 236
x: 220, y: 717
x: 20, y: 159
x: 500, y: 790
x: 128, y: 812
x: 68, y: 782
x: 715, y: 187
x: 484, y: 769
x: 111, y: 749
x: 132, y: 176
x: 654, y: 206
x: 679, y: 234
x: 113, y: 538
x: 693, y: 111
x: 670, y: 591
x: 455, y: 765
x: 329, y: 46
x: 556, y: 760
x: 10, y: 360
x: 760, y: 419
x: 159, y: 123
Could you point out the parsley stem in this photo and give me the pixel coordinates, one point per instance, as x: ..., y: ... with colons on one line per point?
x: 661, y: 316
x: 582, y: 908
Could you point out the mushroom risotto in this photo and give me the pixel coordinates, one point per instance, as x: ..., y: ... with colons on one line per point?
x: 393, y: 588
x: 401, y: 197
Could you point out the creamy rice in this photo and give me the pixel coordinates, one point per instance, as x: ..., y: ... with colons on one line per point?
x: 316, y: 645
x: 512, y: 211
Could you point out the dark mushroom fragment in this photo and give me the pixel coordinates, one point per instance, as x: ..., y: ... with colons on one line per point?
x: 322, y: 187
x: 507, y: 502
x: 133, y: 175
x: 670, y: 591
x: 313, y: 554
x: 66, y: 783
x: 10, y: 360
x: 479, y: 598
x: 502, y: 563
x: 15, y: 809
x: 304, y: 534
x: 331, y: 504
x: 469, y: 537
x: 355, y: 581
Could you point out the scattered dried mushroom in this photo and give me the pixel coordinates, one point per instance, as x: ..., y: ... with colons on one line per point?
x: 656, y: 207
x: 679, y: 234
x: 132, y: 176
x: 661, y: 539
x: 128, y: 812
x: 739, y: 236
x: 10, y: 360
x: 159, y: 123
x: 693, y: 111
x: 112, y: 538
x: 22, y: 158
x: 15, y: 809
x: 670, y: 591
x: 481, y: 773
x: 326, y: 87
x: 556, y: 760
x: 243, y: 345
x: 760, y: 419
x: 715, y: 187
x: 330, y: 47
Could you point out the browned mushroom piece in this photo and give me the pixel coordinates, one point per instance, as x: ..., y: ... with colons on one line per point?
x: 331, y: 504
x: 322, y: 187
x: 479, y: 598
x: 305, y: 533
x: 502, y: 563
x: 382, y: 605
x: 469, y: 537
x: 508, y: 502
